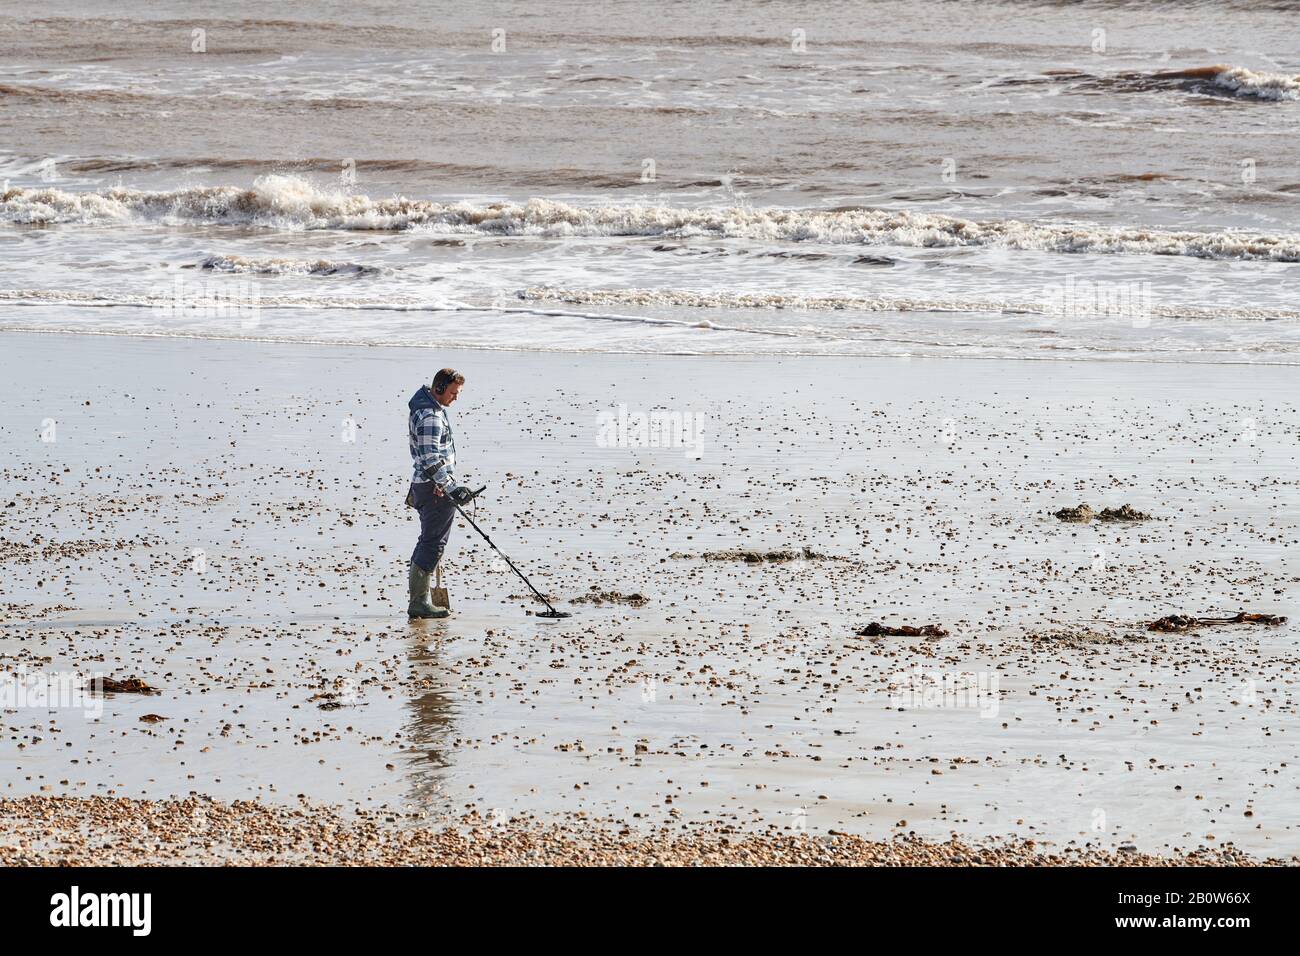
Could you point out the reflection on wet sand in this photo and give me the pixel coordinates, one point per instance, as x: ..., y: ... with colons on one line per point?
x: 428, y: 723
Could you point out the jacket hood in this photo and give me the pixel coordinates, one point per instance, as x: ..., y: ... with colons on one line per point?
x: 423, y: 398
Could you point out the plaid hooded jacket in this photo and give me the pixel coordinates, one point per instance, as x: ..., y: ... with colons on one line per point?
x: 429, y: 430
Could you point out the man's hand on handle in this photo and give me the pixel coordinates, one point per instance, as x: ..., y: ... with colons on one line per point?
x: 459, y: 493
x: 462, y: 495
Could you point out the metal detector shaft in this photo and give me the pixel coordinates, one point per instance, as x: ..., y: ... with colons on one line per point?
x: 430, y: 472
x: 540, y: 596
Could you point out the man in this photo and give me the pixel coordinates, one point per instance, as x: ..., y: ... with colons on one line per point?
x: 433, y: 487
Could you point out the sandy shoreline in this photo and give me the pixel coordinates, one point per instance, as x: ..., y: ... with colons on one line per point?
x: 237, y: 551
x: 105, y: 831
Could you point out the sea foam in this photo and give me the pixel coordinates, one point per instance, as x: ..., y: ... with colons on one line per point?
x: 293, y: 203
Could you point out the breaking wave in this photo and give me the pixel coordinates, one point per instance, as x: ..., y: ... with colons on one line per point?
x: 1240, y: 81
x: 1220, y: 80
x: 289, y: 202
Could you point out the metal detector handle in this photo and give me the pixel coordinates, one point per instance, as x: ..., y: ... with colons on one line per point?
x: 433, y: 470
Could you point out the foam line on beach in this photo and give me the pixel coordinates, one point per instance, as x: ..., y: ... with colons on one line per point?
x: 958, y: 351
x: 166, y: 303
x: 661, y: 298
x: 678, y: 298
x: 293, y: 203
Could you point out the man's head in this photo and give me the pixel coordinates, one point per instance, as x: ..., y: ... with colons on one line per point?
x: 446, y: 385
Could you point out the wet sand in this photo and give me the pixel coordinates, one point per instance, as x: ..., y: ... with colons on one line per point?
x: 202, y: 521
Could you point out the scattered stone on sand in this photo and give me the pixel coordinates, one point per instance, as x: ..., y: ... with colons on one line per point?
x: 757, y: 557
x: 118, y: 831
x: 1082, y: 638
x: 38, y: 550
x: 151, y: 718
x: 1083, y: 514
x: 1079, y: 515
x: 109, y: 685
x: 1123, y: 513
x: 598, y: 597
x: 1177, y: 623
x: 289, y: 606
x: 876, y: 629
x: 326, y: 700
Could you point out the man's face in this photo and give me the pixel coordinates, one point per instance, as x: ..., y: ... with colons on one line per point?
x: 449, y: 394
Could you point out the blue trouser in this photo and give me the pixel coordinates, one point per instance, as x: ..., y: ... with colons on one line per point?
x: 436, y: 515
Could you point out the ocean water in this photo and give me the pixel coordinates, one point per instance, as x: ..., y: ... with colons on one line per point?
x: 1107, y: 180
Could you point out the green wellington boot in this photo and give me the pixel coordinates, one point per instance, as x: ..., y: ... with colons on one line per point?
x: 420, y: 607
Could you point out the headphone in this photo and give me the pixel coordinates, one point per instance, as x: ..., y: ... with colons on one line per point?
x: 439, y: 391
